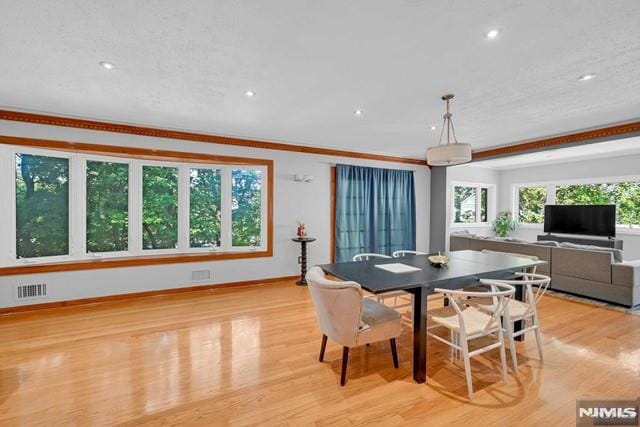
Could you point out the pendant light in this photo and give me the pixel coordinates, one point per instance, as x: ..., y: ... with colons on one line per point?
x: 453, y: 152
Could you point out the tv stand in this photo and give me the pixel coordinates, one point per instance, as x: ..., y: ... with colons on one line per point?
x: 605, y: 242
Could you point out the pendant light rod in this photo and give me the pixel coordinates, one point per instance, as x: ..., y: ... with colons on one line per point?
x: 451, y: 153
x: 448, y: 122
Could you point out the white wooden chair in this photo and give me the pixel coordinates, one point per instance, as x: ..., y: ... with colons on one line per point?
x: 525, y: 311
x: 467, y: 323
x: 381, y: 297
x: 398, y: 254
x: 368, y: 256
x: 397, y: 294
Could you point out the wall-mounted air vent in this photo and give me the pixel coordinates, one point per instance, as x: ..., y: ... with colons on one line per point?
x: 33, y: 291
x: 200, y: 275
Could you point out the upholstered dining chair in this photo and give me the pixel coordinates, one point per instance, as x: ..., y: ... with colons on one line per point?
x: 466, y: 323
x: 349, y: 319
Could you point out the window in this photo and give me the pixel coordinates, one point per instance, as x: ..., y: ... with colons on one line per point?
x: 67, y: 206
x: 245, y: 205
x: 41, y: 206
x: 471, y: 204
x: 622, y: 192
x: 107, y: 201
x: 625, y: 195
x: 483, y: 204
x: 159, y: 207
x: 531, y: 201
x: 204, y: 208
x: 465, y: 204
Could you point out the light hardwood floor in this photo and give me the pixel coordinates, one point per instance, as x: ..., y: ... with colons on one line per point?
x: 249, y: 356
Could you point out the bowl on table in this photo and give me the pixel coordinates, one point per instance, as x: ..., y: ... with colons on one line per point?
x: 439, y: 260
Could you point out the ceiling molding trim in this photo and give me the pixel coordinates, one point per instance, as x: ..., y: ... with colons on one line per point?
x: 95, y: 125
x: 559, y: 141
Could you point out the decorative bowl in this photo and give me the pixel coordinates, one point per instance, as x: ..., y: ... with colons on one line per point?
x: 439, y: 260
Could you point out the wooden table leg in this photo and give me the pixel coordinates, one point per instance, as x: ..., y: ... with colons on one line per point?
x: 303, y: 264
x: 419, y: 334
x: 517, y: 326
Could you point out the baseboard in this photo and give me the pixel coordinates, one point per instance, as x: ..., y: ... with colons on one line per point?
x: 133, y: 295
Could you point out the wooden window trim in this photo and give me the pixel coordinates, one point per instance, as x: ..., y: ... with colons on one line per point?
x: 145, y: 154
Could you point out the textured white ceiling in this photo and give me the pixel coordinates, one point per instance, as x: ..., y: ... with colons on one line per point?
x: 186, y: 65
x: 600, y: 150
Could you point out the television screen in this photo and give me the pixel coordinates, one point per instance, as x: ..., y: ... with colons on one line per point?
x: 592, y: 220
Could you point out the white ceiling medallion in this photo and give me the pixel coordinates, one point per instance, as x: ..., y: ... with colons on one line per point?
x: 451, y: 153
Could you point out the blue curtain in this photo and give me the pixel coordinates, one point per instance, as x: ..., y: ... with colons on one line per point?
x: 375, y: 211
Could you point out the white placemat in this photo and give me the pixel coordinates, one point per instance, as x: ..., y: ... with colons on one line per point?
x: 397, y: 268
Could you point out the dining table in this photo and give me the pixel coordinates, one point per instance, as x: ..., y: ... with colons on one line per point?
x: 463, y: 269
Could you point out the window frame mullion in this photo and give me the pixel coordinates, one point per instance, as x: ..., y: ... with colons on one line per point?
x: 184, y: 205
x: 78, y: 213
x: 135, y: 207
x: 225, y: 208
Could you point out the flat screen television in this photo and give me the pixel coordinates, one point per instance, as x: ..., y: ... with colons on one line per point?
x: 591, y: 220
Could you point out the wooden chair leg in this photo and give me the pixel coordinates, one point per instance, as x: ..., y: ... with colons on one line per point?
x: 394, y: 352
x: 345, y: 361
x: 467, y: 365
x: 539, y: 342
x: 323, y: 347
x: 512, y: 346
x: 503, y: 356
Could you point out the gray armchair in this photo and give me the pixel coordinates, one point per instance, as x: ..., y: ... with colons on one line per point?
x: 349, y: 319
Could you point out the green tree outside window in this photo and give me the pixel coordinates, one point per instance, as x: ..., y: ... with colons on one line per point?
x: 42, y: 206
x: 107, y: 206
x: 159, y: 207
x: 205, y: 201
x: 531, y: 201
x: 246, y: 187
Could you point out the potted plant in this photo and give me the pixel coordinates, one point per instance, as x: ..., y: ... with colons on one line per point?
x: 504, y: 224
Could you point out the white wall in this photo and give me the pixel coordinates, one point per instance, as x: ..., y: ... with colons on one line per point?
x: 585, y: 169
x: 292, y: 201
x: 476, y: 175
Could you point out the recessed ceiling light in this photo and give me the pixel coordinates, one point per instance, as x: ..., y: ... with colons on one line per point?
x: 249, y: 94
x: 492, y: 34
x: 108, y: 65
x: 357, y: 112
x: 433, y: 127
x: 586, y: 77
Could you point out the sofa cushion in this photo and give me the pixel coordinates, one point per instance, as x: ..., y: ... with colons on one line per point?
x: 602, y: 291
x: 617, y: 253
x: 462, y: 233
x: 541, y: 252
x: 551, y: 243
x: 626, y: 273
x: 509, y: 239
x: 583, y: 264
x: 459, y: 242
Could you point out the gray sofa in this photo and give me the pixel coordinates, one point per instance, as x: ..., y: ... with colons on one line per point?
x: 583, y: 271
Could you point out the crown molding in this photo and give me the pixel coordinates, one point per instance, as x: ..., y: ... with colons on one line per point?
x: 95, y: 125
x: 558, y: 141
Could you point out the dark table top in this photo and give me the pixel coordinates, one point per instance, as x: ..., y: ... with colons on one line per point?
x: 463, y: 265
